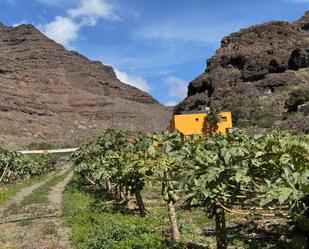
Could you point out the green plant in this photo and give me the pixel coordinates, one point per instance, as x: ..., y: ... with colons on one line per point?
x: 296, y: 97
x: 168, y: 157
x: 15, y: 166
x: 292, y: 187
x: 94, y: 221
x: 213, y: 118
x: 212, y: 172
x: 116, y: 158
x: 266, y: 122
x: 248, y: 111
x: 288, y: 115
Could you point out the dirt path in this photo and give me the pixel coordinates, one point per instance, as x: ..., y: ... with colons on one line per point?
x: 37, y: 225
x: 56, y: 194
x: 20, y: 196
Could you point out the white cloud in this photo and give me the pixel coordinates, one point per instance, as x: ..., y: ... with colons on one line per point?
x: 171, y: 103
x: 65, y: 29
x: 177, y: 87
x: 92, y: 10
x: 133, y: 80
x: 62, y: 29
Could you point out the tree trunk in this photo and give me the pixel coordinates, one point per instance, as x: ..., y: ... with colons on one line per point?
x: 173, y: 221
x: 116, y: 192
x: 220, y: 229
x: 127, y: 194
x: 121, y: 194
x: 140, y: 204
x: 128, y: 199
x: 108, y: 186
x: 3, y: 174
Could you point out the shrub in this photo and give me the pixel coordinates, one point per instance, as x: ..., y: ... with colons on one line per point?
x: 296, y: 97
x: 248, y: 111
x: 289, y: 115
x: 15, y: 166
x: 119, y: 234
x: 266, y: 122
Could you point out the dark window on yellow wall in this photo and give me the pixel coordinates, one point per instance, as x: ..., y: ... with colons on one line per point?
x: 223, y: 119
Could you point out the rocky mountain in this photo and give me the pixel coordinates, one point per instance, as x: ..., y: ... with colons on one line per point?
x: 51, y: 95
x: 254, y: 73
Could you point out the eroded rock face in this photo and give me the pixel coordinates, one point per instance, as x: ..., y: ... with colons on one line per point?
x: 56, y: 96
x: 257, y: 65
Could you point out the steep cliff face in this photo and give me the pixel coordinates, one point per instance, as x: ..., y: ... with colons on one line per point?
x: 252, y: 74
x: 56, y: 96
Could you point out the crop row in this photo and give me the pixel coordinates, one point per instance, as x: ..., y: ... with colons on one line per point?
x: 15, y: 166
x: 213, y: 172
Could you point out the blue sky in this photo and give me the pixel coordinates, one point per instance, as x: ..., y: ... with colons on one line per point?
x: 156, y: 45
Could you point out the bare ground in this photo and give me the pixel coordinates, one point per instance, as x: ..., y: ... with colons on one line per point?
x: 37, y: 226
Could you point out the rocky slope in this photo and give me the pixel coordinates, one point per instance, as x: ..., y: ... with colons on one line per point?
x: 252, y: 74
x: 55, y: 96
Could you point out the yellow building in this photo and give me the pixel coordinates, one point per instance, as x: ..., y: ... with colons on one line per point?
x: 190, y: 124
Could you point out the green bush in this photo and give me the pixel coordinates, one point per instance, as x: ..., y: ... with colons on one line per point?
x: 107, y: 236
x: 248, y: 111
x: 266, y: 122
x: 119, y: 235
x: 15, y: 166
x: 296, y: 97
x: 289, y: 115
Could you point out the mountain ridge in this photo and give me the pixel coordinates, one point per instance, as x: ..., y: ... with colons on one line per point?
x: 253, y: 73
x: 52, y: 95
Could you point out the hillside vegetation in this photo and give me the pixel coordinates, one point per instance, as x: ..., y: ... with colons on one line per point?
x: 254, y: 73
